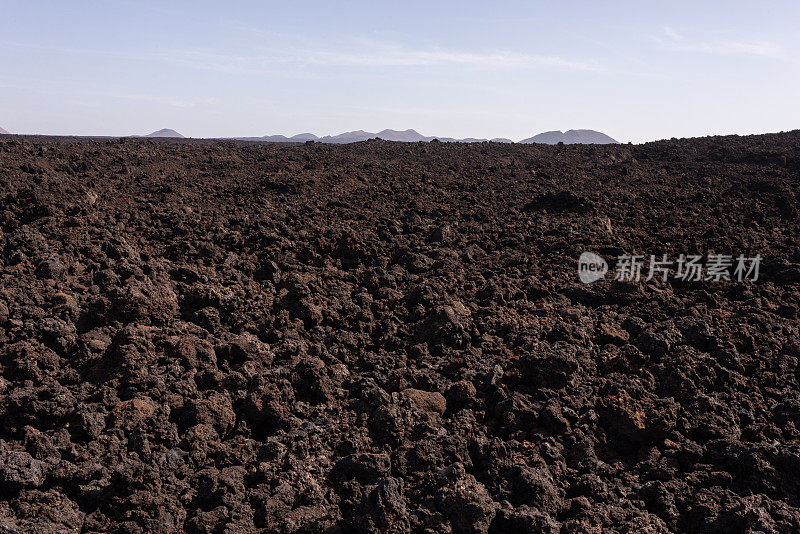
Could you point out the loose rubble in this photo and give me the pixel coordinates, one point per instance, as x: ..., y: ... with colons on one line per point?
x: 385, y: 337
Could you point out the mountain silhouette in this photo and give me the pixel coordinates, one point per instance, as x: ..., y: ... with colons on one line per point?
x: 412, y: 136
x: 571, y: 137
x: 304, y: 137
x: 165, y: 132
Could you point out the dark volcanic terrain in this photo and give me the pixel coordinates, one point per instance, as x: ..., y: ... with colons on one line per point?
x: 202, y: 336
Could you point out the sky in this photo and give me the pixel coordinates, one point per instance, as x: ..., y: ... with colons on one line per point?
x: 637, y: 71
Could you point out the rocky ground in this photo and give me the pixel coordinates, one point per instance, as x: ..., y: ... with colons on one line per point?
x: 387, y: 337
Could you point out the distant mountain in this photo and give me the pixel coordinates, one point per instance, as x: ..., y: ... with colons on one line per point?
x: 267, y: 139
x: 299, y: 138
x: 412, y: 136
x: 571, y: 137
x: 348, y: 137
x: 165, y: 132
x: 404, y: 136
x: 548, y: 138
x: 303, y: 137
x: 2, y: 131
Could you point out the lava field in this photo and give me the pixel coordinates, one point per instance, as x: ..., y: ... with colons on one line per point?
x: 209, y: 336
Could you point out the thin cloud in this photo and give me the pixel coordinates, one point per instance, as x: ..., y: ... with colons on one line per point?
x: 675, y: 41
x: 183, y: 103
x: 401, y: 57
x: 366, y: 53
x: 423, y: 112
x: 373, y: 59
x: 42, y: 87
x: 672, y: 34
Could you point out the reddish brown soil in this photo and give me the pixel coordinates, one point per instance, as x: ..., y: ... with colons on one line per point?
x: 382, y: 337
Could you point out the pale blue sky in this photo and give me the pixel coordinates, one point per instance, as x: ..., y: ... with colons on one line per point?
x: 637, y: 71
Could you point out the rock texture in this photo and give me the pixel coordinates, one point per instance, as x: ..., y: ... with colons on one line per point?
x: 203, y: 336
